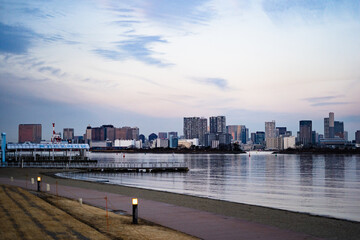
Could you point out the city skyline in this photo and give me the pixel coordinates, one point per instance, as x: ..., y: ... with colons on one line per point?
x: 109, y: 62
x: 198, y: 127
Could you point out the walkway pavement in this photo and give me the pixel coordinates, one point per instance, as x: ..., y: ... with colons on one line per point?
x: 204, y: 225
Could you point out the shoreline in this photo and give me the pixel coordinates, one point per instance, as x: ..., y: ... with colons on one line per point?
x: 320, y: 226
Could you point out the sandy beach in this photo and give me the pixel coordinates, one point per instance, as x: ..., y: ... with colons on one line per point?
x: 317, y: 226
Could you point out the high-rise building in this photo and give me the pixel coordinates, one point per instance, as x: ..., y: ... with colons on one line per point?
x: 217, y: 124
x: 305, y: 136
x: 357, y: 137
x: 68, y: 133
x: 162, y: 135
x: 107, y: 132
x: 195, y: 127
x: 339, y: 129
x: 30, y: 133
x: 234, y: 131
x: 270, y: 130
x: 326, y: 128
x: 135, y: 133
x: 253, y: 137
x: 331, y: 125
x: 260, y: 138
x: 280, y: 131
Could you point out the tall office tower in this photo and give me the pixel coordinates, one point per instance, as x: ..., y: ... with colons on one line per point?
x: 357, y: 136
x: 270, y: 130
x: 234, y: 131
x: 253, y: 137
x: 68, y: 133
x: 244, y: 134
x: 162, y: 135
x: 124, y: 133
x: 326, y: 128
x: 30, y: 133
x: 135, y: 133
x: 280, y: 131
x: 87, y: 135
x: 331, y: 125
x: 305, y: 136
x: 339, y: 129
x: 217, y: 124
x: 195, y: 127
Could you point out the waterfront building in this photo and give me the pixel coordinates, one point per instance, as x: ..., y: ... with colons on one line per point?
x: 305, y: 136
x: 270, y: 130
x: 357, y: 137
x: 275, y: 143
x: 217, y: 124
x: 162, y: 135
x: 187, y: 143
x: 68, y: 134
x: 129, y: 143
x: 289, y: 142
x: 30, y: 133
x: 162, y: 143
x: 195, y: 127
x: 173, y: 141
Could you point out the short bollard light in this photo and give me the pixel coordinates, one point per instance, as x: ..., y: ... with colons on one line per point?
x: 135, y: 210
x: 38, y: 184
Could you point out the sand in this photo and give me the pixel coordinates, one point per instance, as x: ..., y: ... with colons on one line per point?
x: 298, y: 222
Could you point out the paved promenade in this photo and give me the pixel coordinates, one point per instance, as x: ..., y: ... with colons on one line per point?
x: 198, y: 223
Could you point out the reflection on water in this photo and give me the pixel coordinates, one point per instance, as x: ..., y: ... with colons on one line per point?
x: 323, y: 185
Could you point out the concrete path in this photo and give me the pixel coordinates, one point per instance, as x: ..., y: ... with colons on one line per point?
x: 198, y: 223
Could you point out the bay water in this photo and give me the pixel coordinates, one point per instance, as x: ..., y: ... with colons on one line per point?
x: 326, y: 185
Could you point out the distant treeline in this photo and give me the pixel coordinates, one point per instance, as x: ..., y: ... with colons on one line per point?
x: 171, y: 150
x: 320, y: 151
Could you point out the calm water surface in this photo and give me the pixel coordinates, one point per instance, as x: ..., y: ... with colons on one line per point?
x: 322, y: 185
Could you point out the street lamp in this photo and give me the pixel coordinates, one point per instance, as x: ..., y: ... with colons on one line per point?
x: 135, y: 210
x: 38, y: 184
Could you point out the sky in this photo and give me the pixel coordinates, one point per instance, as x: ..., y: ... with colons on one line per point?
x: 151, y: 63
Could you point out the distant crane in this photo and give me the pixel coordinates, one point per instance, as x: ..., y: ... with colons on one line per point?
x: 55, y: 137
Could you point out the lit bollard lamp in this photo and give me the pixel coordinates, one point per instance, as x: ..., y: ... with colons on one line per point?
x: 38, y: 184
x: 135, y: 210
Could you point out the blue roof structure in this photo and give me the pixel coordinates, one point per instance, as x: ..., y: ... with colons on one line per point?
x: 46, y: 146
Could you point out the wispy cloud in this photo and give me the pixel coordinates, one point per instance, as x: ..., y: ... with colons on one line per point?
x: 325, y: 101
x: 328, y: 104
x: 321, y: 99
x: 16, y: 39
x: 217, y: 82
x: 136, y: 47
